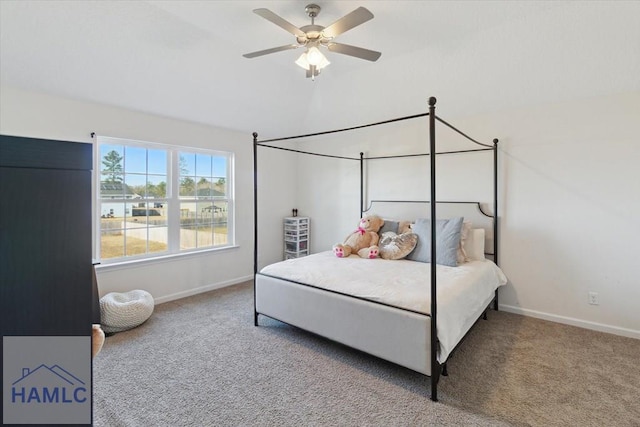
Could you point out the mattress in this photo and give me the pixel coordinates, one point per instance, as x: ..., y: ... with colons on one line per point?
x: 463, y: 291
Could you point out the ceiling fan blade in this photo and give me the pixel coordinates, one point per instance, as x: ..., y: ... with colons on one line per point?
x: 347, y: 22
x: 280, y: 22
x: 358, y: 52
x: 272, y: 50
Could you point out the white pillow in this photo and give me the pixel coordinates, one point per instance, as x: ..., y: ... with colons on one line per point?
x: 474, y: 244
x: 464, y: 233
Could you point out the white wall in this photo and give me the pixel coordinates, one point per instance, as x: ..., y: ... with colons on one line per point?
x: 38, y: 115
x: 569, y: 200
x: 276, y: 198
x: 569, y: 196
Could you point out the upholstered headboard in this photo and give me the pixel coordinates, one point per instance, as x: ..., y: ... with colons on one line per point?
x: 410, y: 210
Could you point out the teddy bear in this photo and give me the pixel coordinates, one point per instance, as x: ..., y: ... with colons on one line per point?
x: 363, y: 241
x: 97, y: 339
x: 405, y: 227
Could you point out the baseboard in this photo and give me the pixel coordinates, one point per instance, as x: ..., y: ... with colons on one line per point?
x: 600, y: 327
x: 201, y: 289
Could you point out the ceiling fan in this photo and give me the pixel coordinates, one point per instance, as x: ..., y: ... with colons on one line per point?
x: 313, y: 36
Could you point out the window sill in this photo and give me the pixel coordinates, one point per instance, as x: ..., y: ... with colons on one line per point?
x: 121, y: 265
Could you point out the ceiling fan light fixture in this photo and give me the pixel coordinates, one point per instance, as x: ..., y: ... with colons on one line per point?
x: 306, y: 60
x: 314, y: 56
x: 323, y: 62
x: 303, y: 62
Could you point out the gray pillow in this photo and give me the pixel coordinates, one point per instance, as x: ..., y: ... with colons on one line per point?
x: 389, y: 225
x: 397, y: 246
x: 447, y: 241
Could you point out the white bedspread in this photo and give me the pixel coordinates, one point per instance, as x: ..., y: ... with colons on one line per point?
x: 462, y: 291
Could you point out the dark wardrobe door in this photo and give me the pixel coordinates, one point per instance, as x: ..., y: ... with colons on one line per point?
x: 45, y: 237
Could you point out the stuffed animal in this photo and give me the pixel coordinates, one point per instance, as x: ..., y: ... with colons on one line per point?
x: 405, y: 227
x: 363, y: 241
x: 97, y: 339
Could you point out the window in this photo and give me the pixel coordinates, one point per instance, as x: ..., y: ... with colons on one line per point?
x: 156, y: 200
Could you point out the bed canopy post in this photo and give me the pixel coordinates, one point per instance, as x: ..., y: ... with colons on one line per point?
x: 435, y: 366
x: 361, y: 184
x: 495, y: 211
x: 255, y: 223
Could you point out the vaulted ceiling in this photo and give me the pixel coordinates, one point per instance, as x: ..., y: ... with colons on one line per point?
x: 183, y: 59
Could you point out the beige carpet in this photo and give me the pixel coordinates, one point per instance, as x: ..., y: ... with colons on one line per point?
x: 201, y: 362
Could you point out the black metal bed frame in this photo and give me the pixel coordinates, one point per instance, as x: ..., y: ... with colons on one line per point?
x: 437, y: 368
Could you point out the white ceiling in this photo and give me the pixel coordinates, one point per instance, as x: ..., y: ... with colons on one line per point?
x: 183, y: 59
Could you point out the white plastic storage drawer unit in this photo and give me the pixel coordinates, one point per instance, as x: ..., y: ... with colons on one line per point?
x: 296, y: 237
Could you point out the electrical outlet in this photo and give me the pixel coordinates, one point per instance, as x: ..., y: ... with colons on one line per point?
x: 593, y: 298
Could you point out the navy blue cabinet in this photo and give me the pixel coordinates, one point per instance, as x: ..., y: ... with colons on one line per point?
x: 46, y: 279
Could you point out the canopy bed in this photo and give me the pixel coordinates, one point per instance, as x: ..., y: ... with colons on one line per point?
x: 403, y: 310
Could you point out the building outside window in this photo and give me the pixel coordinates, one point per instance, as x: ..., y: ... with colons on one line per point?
x: 156, y: 200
